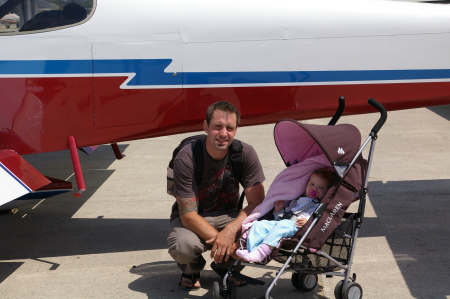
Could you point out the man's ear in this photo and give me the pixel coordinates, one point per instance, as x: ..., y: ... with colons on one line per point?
x: 205, y: 126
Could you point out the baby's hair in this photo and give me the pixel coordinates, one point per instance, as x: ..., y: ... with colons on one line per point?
x: 330, y: 177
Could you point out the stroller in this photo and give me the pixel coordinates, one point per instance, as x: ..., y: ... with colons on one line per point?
x: 326, y: 243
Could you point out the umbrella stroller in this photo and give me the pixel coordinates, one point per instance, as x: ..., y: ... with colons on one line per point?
x: 326, y: 243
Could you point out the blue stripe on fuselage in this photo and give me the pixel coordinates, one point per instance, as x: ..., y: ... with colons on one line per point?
x: 151, y: 72
x: 19, y: 181
x: 312, y: 76
x: 45, y: 67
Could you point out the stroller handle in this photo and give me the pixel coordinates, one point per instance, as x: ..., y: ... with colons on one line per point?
x: 383, y: 116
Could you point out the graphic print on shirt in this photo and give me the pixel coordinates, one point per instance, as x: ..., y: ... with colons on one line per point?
x: 222, y: 191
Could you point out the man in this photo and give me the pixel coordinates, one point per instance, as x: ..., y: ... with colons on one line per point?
x: 208, y: 214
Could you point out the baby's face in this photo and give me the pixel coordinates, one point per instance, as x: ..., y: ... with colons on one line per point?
x: 316, y: 187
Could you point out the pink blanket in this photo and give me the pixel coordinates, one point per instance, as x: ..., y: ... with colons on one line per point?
x: 287, y: 185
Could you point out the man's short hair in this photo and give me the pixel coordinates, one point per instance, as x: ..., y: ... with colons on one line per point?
x: 222, y: 106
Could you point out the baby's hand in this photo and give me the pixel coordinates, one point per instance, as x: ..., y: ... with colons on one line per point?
x: 278, y: 206
x: 300, y: 222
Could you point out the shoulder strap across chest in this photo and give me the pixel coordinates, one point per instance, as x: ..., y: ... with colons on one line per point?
x: 234, y: 155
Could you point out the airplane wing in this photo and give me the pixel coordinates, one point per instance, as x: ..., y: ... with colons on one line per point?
x: 17, y: 177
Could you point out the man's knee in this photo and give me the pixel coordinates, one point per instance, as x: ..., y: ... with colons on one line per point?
x: 180, y: 249
x: 184, y: 246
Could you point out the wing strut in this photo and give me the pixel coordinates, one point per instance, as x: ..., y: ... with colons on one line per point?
x: 76, y: 166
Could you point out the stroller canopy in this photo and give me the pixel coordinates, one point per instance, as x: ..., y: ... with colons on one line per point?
x: 340, y: 144
x: 296, y: 141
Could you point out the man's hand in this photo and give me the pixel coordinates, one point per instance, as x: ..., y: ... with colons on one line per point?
x: 224, y: 242
x: 223, y: 246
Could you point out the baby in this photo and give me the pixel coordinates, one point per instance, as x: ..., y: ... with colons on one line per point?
x: 264, y: 235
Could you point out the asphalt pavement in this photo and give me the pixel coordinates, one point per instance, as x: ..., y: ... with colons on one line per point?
x: 111, y: 241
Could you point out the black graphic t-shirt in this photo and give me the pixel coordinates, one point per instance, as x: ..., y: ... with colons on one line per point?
x: 219, y: 189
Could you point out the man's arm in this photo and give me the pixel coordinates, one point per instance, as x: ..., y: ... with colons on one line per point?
x: 193, y: 221
x: 224, y: 242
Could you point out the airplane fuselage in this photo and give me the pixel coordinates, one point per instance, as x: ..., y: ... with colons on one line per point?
x: 150, y: 68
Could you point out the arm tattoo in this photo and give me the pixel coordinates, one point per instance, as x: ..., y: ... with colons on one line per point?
x: 186, y: 205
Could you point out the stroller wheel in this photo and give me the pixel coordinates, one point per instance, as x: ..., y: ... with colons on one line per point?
x: 216, y: 291
x: 231, y: 290
x: 352, y: 290
x: 305, y: 282
x: 338, y: 290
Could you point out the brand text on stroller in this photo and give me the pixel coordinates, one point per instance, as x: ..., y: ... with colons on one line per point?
x: 330, y: 218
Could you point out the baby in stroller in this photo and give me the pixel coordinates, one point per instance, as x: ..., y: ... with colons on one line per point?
x: 264, y: 235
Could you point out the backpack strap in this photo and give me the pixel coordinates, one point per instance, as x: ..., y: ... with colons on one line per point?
x: 235, y: 155
x: 197, y: 151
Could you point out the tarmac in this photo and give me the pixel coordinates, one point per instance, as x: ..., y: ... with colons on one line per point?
x: 111, y: 241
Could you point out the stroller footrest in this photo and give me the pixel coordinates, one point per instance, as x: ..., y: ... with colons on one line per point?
x: 252, y: 281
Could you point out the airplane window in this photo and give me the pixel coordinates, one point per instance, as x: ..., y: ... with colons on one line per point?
x: 26, y: 16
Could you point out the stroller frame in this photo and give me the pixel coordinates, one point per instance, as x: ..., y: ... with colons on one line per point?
x: 305, y: 279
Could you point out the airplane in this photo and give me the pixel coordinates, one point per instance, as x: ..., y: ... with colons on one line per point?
x: 77, y: 74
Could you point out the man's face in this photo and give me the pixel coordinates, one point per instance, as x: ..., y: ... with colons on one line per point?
x: 220, y: 133
x: 316, y: 187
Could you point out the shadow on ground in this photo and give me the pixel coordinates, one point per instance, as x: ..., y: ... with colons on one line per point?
x: 414, y: 217
x: 162, y: 278
x: 443, y: 111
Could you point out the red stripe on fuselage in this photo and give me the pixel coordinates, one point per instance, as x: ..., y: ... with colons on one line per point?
x: 38, y: 114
